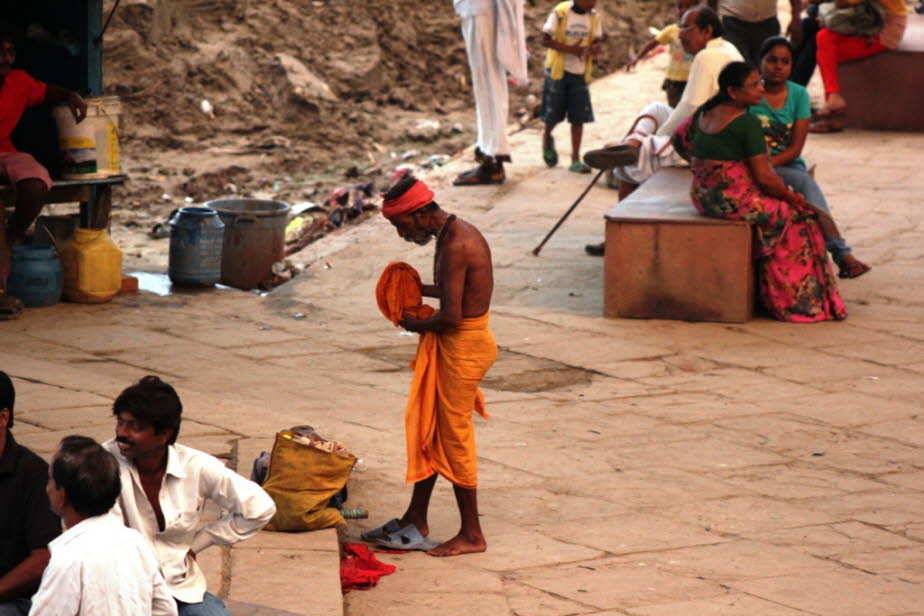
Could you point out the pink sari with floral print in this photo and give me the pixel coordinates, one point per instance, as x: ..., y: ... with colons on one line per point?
x: 794, y: 275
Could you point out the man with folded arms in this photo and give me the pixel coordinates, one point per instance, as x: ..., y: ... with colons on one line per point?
x: 165, y: 487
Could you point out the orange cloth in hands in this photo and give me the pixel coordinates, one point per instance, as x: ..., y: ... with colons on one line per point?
x: 444, y: 389
x: 398, y: 291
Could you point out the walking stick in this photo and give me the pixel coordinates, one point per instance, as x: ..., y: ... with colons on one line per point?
x: 568, y: 213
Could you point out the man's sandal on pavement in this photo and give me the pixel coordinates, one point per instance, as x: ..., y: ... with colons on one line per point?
x: 408, y: 538
x: 482, y: 174
x: 10, y: 307
x: 381, y: 532
x: 612, y: 156
x: 579, y: 167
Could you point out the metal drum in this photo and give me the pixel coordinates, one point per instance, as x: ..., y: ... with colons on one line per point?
x: 196, y: 241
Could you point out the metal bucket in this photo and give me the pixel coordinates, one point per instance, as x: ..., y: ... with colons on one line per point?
x: 255, y: 235
x: 196, y: 242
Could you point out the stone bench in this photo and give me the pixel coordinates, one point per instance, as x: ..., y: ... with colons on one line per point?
x: 664, y: 260
x: 886, y: 91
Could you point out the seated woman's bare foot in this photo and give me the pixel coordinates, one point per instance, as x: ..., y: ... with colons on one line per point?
x: 459, y: 545
x: 851, y: 267
x: 835, y: 103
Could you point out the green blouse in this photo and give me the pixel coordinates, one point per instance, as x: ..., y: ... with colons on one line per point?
x: 741, y: 139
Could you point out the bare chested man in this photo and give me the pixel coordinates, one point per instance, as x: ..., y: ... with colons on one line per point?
x: 455, y: 352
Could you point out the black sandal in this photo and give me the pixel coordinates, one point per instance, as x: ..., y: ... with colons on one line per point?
x: 481, y: 175
x: 612, y: 156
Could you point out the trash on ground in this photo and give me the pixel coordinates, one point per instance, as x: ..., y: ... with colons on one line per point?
x: 207, y: 108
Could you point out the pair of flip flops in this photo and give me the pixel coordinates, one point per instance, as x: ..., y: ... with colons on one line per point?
x: 392, y: 536
x: 10, y: 307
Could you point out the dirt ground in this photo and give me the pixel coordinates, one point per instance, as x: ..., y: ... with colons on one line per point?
x: 305, y: 96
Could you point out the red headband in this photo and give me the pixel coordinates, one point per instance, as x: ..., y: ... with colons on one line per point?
x: 417, y: 196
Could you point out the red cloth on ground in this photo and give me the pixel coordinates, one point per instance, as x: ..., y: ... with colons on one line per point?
x: 834, y: 48
x: 18, y: 92
x: 360, y: 569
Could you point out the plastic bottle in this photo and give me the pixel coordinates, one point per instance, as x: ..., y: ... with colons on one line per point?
x: 92, y: 266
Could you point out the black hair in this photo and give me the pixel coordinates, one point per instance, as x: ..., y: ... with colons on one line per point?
x: 153, y: 402
x: 402, y: 186
x: 732, y: 76
x: 7, y: 36
x: 7, y: 395
x: 88, y: 474
x: 705, y: 16
x: 774, y: 41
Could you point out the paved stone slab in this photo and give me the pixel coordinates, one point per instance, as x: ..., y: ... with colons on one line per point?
x: 96, y: 338
x: 732, y: 560
x: 41, y: 397
x: 730, y: 604
x: 840, y: 593
x: 745, y: 515
x: 905, y: 564
x: 444, y: 603
x: 315, y: 591
x: 837, y: 539
x: 68, y: 418
x: 630, y: 532
x: 617, y: 584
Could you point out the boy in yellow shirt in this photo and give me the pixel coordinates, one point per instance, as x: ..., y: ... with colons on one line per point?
x: 571, y: 33
x: 678, y: 67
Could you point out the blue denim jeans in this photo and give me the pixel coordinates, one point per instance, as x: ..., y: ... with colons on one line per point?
x: 795, y: 175
x: 16, y: 607
x: 210, y: 606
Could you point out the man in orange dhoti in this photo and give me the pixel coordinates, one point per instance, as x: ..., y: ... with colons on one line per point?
x: 455, y: 351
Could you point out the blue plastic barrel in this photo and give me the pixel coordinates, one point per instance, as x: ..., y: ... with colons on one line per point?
x: 36, y: 277
x: 196, y: 239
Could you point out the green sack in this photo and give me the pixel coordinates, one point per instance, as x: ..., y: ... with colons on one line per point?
x: 301, y: 481
x: 864, y: 19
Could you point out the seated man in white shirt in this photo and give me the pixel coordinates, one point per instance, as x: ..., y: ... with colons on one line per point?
x: 164, y: 489
x: 701, y: 36
x: 97, y: 566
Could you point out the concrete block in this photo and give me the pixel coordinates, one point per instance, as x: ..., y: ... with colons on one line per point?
x: 884, y: 92
x: 664, y: 260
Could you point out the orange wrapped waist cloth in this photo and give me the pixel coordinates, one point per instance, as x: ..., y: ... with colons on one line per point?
x: 444, y: 390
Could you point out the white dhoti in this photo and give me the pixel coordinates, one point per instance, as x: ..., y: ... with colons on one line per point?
x: 655, y: 151
x: 489, y: 82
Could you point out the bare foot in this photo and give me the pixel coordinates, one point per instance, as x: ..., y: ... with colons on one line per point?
x: 851, y: 267
x: 459, y: 545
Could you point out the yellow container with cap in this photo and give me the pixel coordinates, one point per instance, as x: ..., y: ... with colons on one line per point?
x: 92, y: 265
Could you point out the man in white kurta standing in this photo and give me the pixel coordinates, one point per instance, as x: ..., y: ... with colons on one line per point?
x: 495, y: 43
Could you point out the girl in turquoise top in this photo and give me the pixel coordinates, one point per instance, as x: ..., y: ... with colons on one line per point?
x: 733, y: 179
x: 784, y: 113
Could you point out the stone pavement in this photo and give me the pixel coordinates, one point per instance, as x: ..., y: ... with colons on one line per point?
x: 629, y: 467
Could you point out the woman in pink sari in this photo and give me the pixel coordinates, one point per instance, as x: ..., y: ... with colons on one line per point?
x: 733, y: 179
